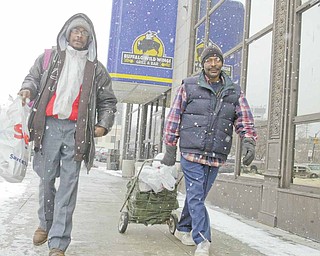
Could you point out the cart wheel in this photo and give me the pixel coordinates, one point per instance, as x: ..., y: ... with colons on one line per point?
x: 123, y: 222
x: 172, y: 223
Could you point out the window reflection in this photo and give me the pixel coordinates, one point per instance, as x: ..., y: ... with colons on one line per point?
x: 304, y: 1
x: 309, y: 66
x: 257, y: 93
x: 257, y: 168
x: 232, y: 66
x: 230, y: 165
x: 214, y: 2
x: 200, y: 33
x: 258, y: 78
x: 202, y: 9
x: 306, y: 168
x: 226, y: 25
x: 261, y: 15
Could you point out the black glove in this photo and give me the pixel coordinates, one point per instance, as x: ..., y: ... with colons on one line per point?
x: 169, y: 157
x: 248, y: 150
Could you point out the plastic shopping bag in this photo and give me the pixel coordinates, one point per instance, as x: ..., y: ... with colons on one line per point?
x: 158, y: 176
x: 157, y: 179
x: 14, y: 141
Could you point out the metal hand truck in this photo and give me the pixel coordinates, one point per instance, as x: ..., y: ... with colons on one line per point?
x: 148, y: 208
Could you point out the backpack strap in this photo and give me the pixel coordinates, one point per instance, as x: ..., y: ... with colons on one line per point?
x: 45, y: 64
x: 46, y: 59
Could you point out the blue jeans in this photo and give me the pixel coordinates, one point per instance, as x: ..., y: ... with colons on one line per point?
x: 199, y: 179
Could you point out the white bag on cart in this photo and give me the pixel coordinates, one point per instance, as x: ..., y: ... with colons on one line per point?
x: 157, y: 176
x: 14, y: 141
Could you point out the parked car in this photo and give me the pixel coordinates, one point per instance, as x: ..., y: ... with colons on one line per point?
x: 257, y: 167
x: 306, y: 170
x: 101, y: 154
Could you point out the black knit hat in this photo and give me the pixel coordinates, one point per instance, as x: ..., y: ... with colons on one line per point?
x: 209, y: 51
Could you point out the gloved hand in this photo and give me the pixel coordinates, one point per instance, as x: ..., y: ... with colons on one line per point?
x: 248, y: 150
x: 169, y: 157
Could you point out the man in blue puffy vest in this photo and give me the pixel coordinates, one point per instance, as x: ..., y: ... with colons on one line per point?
x: 203, y: 114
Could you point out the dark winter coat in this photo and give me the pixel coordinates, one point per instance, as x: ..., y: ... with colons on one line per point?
x: 207, y: 122
x: 101, y: 101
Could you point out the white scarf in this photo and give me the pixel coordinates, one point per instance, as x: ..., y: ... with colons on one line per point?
x: 69, y: 82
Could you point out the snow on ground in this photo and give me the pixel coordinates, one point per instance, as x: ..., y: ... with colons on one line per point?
x: 9, y: 192
x: 250, y: 235
x: 272, y: 245
x: 253, y: 236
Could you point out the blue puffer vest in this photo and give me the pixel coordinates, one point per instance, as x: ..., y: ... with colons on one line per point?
x: 207, y: 122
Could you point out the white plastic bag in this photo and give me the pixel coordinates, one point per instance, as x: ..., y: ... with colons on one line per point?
x: 157, y: 179
x: 148, y: 181
x: 157, y: 176
x: 14, y: 141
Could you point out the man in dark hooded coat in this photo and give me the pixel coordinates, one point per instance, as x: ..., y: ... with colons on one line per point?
x: 72, y: 102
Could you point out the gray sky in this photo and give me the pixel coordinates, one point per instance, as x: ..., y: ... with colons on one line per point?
x: 28, y: 27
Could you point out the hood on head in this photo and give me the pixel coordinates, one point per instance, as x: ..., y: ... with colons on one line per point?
x: 79, y: 22
x: 79, y: 19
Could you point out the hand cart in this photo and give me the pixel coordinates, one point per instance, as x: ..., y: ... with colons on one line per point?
x: 148, y: 208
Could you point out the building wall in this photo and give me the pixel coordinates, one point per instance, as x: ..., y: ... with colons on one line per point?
x: 273, y: 199
x: 243, y: 197
x: 183, y: 41
x: 298, y: 213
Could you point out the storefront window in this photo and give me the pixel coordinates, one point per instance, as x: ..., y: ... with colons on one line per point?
x: 261, y: 15
x: 257, y: 93
x: 202, y: 9
x: 309, y: 66
x: 304, y: 1
x: 214, y: 2
x: 306, y: 167
x: 230, y: 165
x: 258, y: 77
x: 232, y: 66
x: 199, y: 46
x: 226, y: 25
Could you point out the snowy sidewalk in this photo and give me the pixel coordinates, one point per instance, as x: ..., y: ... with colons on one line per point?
x: 95, y: 232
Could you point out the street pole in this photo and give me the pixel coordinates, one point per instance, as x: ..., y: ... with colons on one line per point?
x: 314, y: 145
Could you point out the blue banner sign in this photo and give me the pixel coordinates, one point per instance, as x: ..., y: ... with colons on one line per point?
x: 142, y: 40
